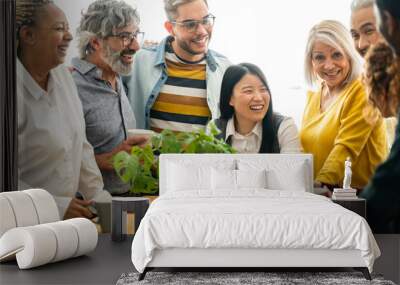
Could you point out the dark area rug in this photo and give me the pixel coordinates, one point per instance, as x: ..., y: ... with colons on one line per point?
x: 243, y: 278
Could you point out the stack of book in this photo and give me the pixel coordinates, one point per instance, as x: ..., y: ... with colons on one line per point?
x: 344, y: 194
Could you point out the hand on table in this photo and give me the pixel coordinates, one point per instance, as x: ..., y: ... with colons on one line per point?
x: 322, y: 189
x: 78, y: 209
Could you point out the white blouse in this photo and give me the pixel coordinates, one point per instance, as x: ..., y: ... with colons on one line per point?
x: 53, y: 152
x: 288, y: 137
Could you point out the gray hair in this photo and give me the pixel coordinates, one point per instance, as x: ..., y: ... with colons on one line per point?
x: 334, y: 34
x: 26, y: 12
x: 101, y: 19
x: 360, y: 4
x: 171, y: 7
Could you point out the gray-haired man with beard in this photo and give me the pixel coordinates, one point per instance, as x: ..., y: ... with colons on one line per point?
x: 108, y: 38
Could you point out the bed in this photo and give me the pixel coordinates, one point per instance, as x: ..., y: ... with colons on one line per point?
x: 246, y: 211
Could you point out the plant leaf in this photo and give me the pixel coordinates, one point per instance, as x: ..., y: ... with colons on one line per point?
x: 140, y: 167
x: 126, y: 166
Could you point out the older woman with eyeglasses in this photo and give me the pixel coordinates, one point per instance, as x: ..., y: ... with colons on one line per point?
x: 53, y: 152
x: 338, y: 121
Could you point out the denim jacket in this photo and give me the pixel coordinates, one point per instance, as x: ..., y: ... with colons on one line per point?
x: 150, y: 73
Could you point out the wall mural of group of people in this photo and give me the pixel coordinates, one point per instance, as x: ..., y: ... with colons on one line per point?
x: 72, y: 120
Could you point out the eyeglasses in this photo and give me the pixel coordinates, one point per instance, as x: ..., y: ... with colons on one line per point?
x: 192, y: 25
x: 127, y: 38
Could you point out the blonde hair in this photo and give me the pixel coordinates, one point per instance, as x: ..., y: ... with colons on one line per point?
x: 334, y: 34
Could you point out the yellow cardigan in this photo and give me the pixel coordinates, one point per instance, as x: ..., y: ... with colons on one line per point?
x: 349, y: 127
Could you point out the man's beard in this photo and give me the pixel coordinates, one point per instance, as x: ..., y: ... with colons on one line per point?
x: 186, y: 46
x: 114, y: 60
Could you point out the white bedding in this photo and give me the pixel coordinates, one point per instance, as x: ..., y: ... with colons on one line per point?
x: 251, y: 218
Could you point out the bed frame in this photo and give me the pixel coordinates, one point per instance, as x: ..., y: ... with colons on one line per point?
x: 249, y: 259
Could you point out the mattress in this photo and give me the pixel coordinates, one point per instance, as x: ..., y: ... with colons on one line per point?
x: 251, y: 219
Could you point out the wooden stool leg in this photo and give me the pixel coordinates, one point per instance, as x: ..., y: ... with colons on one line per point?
x: 116, y: 227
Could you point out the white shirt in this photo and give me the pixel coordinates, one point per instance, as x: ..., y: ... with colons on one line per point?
x: 249, y: 143
x: 53, y: 152
x: 288, y: 137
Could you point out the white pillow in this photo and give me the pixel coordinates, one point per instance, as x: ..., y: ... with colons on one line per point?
x: 182, y: 177
x: 187, y: 175
x: 223, y: 179
x: 293, y: 180
x: 282, y: 174
x: 251, y: 178
x: 226, y: 179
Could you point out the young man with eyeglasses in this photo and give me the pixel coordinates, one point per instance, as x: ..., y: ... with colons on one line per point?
x: 109, y: 37
x: 176, y: 84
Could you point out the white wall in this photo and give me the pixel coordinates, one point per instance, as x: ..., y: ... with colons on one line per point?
x: 271, y: 34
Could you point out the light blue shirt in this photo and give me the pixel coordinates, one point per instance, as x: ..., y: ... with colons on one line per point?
x: 150, y: 73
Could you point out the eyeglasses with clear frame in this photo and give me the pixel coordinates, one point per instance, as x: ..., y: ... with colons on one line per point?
x: 192, y: 25
x: 127, y: 37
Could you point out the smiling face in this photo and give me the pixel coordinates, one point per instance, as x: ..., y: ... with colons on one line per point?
x: 364, y: 29
x: 330, y: 64
x: 190, y: 45
x: 50, y: 36
x: 250, y: 99
x: 117, y: 53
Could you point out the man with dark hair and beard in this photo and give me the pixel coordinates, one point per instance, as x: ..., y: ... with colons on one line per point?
x: 109, y: 37
x: 382, y: 193
x: 176, y: 86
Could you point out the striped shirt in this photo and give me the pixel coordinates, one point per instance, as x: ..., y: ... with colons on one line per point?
x: 182, y: 103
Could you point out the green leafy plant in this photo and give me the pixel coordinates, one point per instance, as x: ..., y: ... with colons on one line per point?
x: 140, y: 167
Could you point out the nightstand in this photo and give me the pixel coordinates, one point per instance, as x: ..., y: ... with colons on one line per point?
x: 357, y: 205
x: 120, y: 208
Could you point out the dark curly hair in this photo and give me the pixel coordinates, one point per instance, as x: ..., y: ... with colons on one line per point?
x: 26, y: 13
x: 382, y: 78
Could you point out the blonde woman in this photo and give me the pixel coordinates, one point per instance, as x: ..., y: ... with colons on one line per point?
x: 338, y: 121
